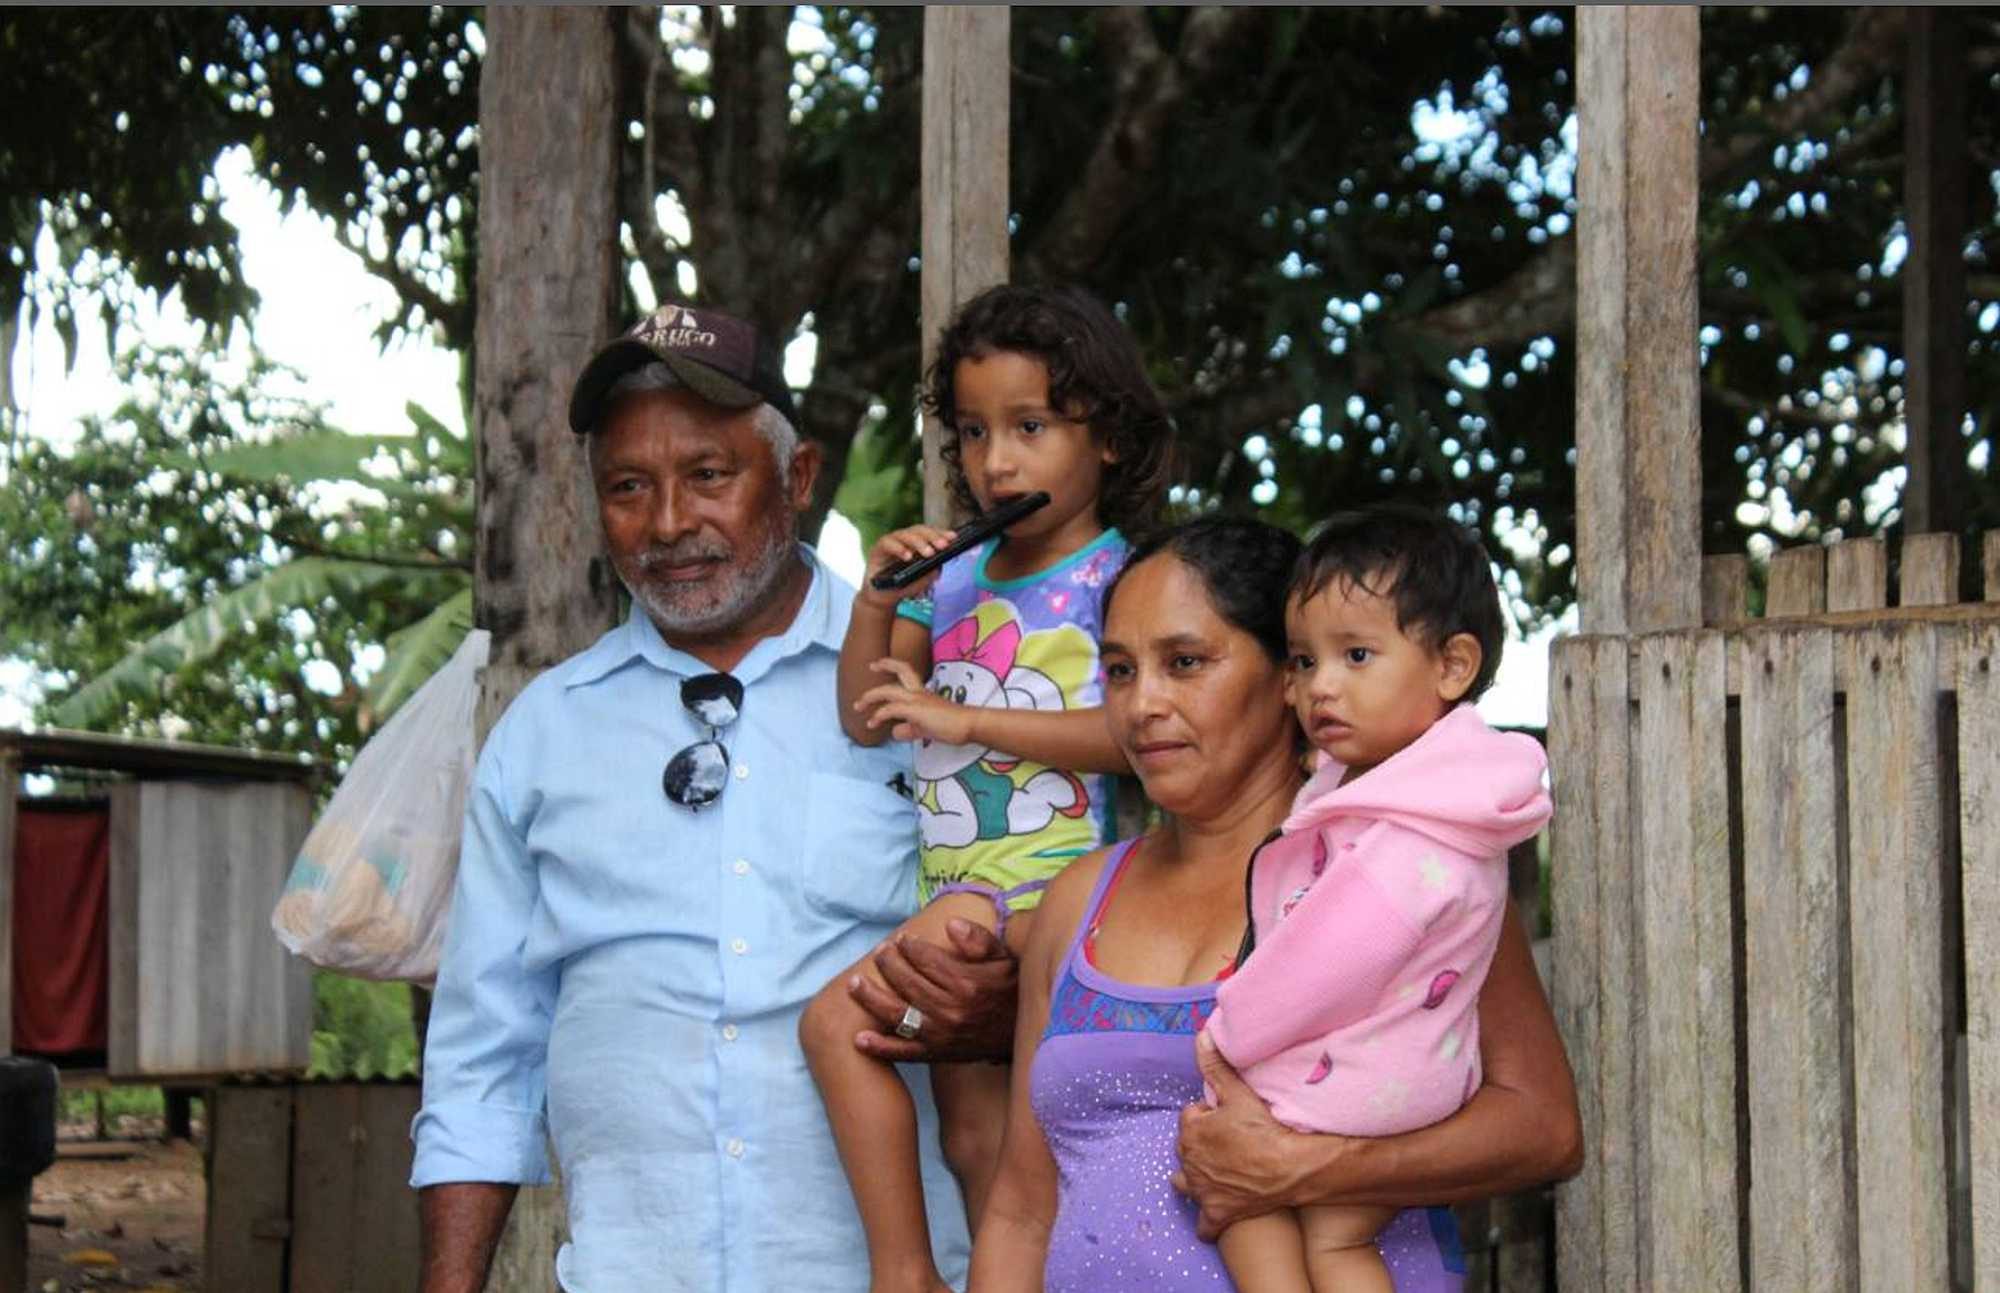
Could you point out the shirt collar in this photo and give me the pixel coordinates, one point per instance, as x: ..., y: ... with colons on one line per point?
x: 821, y: 621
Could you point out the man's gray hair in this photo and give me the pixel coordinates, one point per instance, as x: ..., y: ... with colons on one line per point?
x: 775, y: 427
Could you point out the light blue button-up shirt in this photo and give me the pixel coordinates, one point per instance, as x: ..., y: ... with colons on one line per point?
x: 626, y: 976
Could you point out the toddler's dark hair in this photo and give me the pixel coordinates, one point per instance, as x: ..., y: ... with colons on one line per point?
x: 1095, y: 376
x: 1434, y: 570
x: 1245, y: 565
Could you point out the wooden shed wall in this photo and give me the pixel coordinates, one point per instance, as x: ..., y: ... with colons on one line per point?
x: 199, y: 985
x: 1777, y: 916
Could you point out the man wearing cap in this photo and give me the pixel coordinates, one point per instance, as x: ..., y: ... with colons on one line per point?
x: 670, y: 845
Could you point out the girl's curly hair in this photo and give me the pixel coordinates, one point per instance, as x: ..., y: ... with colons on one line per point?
x: 1095, y: 376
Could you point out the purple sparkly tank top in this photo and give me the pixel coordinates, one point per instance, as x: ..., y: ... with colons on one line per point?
x: 1114, y: 1070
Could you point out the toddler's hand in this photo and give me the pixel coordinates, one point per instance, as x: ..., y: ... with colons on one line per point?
x: 914, y: 711
x: 895, y: 548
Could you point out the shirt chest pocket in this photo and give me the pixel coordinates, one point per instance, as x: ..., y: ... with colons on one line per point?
x: 860, y: 848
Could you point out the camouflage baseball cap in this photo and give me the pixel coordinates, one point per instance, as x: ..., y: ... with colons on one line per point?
x: 720, y: 357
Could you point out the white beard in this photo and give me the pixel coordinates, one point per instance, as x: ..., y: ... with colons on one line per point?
x: 718, y: 606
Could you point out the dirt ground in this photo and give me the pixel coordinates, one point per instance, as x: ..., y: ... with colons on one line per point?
x: 132, y: 1211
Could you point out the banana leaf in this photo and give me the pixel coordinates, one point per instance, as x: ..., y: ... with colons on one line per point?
x: 203, y: 633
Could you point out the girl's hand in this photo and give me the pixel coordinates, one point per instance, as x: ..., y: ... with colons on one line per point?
x: 914, y: 711
x: 895, y: 548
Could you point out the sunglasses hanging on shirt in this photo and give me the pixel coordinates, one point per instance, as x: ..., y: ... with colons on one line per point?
x: 696, y: 776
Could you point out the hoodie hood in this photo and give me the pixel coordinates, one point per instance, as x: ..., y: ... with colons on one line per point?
x: 1461, y: 783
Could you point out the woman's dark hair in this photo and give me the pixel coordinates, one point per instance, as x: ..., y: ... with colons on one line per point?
x: 1095, y: 376
x: 1434, y: 571
x: 1245, y: 565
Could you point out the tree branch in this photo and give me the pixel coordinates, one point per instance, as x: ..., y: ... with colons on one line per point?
x: 1772, y: 411
x: 1540, y: 297
x: 1244, y: 409
x: 1873, y: 45
x: 669, y: 119
x: 847, y: 244
x: 452, y: 316
x: 641, y: 54
x: 1151, y: 85
x: 768, y: 112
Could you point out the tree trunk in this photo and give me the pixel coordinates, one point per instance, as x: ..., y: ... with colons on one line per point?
x: 547, y: 297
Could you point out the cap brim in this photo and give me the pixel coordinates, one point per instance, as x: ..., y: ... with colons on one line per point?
x: 622, y: 357
x: 711, y: 384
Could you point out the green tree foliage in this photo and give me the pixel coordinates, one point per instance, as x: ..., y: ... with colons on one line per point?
x: 369, y: 115
x: 186, y: 560
x: 361, y: 1029
x: 1345, y: 237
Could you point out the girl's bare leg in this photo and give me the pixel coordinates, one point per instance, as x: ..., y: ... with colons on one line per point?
x: 874, y: 1120
x: 972, y: 1105
x: 1266, y: 1254
x: 972, y: 1113
x: 1340, y: 1249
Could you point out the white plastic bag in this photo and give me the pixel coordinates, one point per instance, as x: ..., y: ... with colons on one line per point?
x: 369, y: 892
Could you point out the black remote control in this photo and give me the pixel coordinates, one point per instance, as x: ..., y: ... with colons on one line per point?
x: 979, y: 529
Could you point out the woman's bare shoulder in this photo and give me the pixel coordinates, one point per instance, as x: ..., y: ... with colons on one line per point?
x: 1071, y: 887
x: 1062, y: 904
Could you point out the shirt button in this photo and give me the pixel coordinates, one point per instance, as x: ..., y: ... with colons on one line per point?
x: 741, y: 867
x: 729, y: 1032
x: 739, y: 946
x: 742, y: 772
x: 735, y: 1148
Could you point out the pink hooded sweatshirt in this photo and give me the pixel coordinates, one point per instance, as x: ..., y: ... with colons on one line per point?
x: 1377, y: 912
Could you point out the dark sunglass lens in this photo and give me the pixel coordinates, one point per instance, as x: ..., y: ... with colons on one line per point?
x: 695, y: 777
x: 714, y: 698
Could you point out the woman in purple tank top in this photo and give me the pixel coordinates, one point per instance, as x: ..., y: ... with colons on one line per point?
x: 1121, y: 969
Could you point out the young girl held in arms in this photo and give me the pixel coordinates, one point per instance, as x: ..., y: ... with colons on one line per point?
x: 993, y: 675
x: 1375, y: 914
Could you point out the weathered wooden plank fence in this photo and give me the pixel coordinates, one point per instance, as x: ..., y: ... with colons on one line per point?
x: 1776, y: 912
x: 1773, y: 874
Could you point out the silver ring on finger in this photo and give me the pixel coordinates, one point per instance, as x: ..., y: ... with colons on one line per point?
x: 908, y: 1026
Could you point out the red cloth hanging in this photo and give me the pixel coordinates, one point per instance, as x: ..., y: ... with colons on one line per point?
x: 62, y: 876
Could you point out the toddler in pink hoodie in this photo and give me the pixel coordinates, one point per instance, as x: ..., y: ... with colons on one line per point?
x: 1375, y: 913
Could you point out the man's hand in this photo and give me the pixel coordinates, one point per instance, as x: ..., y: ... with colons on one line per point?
x: 967, y: 993
x: 1237, y: 1160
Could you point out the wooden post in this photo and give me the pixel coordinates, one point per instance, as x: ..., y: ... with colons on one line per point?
x: 346, y: 1146
x: 1801, y: 1111
x: 1895, y: 948
x: 1597, y: 977
x: 1857, y: 575
x: 964, y: 186
x: 1979, y: 810
x: 1686, y: 987
x: 1725, y: 589
x: 1795, y: 584
x: 1928, y: 575
x: 1638, y: 415
x: 1934, y: 168
x: 548, y: 296
x: 249, y: 1188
